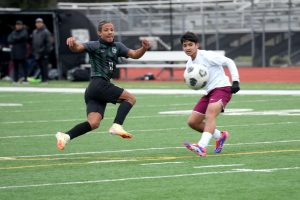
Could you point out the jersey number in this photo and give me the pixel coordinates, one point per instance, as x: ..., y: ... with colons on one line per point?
x: 111, y: 66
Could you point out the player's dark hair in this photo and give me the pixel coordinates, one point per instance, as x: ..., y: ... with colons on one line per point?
x: 102, y: 23
x: 189, y: 36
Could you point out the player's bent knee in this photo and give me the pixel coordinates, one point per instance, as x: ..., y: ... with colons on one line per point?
x: 131, y: 99
x: 94, y: 119
x: 191, y: 123
x: 94, y: 124
x: 196, y: 124
x: 126, y: 96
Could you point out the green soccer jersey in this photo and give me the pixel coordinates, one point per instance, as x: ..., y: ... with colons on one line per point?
x: 104, y: 57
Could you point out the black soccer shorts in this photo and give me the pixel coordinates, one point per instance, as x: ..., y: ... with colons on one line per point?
x: 99, y: 93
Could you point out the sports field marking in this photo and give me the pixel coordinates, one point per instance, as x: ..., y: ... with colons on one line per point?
x: 109, y: 161
x: 217, y: 166
x: 40, y: 166
x: 47, y: 101
x: 83, y: 108
x: 256, y: 152
x: 95, y: 152
x: 10, y: 104
x: 40, y: 110
x: 145, y: 159
x: 25, y: 136
x: 41, y: 121
x: 265, y: 170
x: 165, y: 114
x: 161, y: 163
x: 146, y: 149
x: 248, y: 112
x: 255, y: 170
x: 154, y: 130
x: 187, y: 112
x: 52, y: 135
x: 266, y: 142
x: 268, y: 170
x: 7, y: 158
x: 81, y: 119
x: 136, y: 106
x: 147, y: 91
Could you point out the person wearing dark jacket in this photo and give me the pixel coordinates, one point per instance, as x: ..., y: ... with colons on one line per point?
x: 42, y: 47
x: 18, y: 43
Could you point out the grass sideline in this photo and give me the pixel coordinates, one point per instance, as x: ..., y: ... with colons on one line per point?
x: 260, y: 160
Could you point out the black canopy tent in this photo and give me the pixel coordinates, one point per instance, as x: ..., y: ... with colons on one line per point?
x: 62, y: 24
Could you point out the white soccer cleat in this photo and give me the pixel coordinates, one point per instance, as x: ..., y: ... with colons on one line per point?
x: 62, y: 140
x: 117, y: 129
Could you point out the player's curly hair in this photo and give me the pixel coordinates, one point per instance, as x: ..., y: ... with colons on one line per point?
x: 100, y: 25
x: 189, y: 36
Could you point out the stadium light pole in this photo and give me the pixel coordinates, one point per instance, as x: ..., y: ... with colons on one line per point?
x: 263, y: 46
x: 289, y: 33
x: 217, y: 25
x: 203, y: 27
x: 252, y: 34
x: 171, y: 25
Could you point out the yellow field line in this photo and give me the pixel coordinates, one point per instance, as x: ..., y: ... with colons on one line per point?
x: 134, y: 159
x: 258, y: 152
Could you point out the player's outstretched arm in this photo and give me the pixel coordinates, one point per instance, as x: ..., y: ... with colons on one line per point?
x: 136, y: 54
x: 74, y: 46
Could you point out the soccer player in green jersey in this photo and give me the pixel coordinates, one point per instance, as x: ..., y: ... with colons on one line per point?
x: 103, y: 55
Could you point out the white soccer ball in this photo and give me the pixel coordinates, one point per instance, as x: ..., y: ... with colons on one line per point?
x: 196, y: 76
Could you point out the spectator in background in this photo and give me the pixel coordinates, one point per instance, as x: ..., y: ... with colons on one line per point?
x: 18, y: 43
x: 42, y: 47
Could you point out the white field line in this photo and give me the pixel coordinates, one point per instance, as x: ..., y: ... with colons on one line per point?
x: 7, y: 158
x: 71, y: 120
x: 45, y: 90
x: 41, y: 121
x: 268, y: 170
x: 243, y: 111
x: 52, y: 135
x: 254, y: 170
x: 266, y: 142
x: 178, y: 112
x: 217, y: 166
x: 134, y: 150
x: 83, y: 108
x: 147, y: 91
x: 93, y: 152
x: 26, y: 136
x: 153, y: 130
x: 161, y: 163
x: 10, y: 104
x: 136, y: 106
x: 109, y: 161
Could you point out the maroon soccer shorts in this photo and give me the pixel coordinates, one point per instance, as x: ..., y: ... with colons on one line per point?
x: 222, y: 94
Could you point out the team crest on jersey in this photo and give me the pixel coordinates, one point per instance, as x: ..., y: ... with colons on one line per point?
x: 114, y: 50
